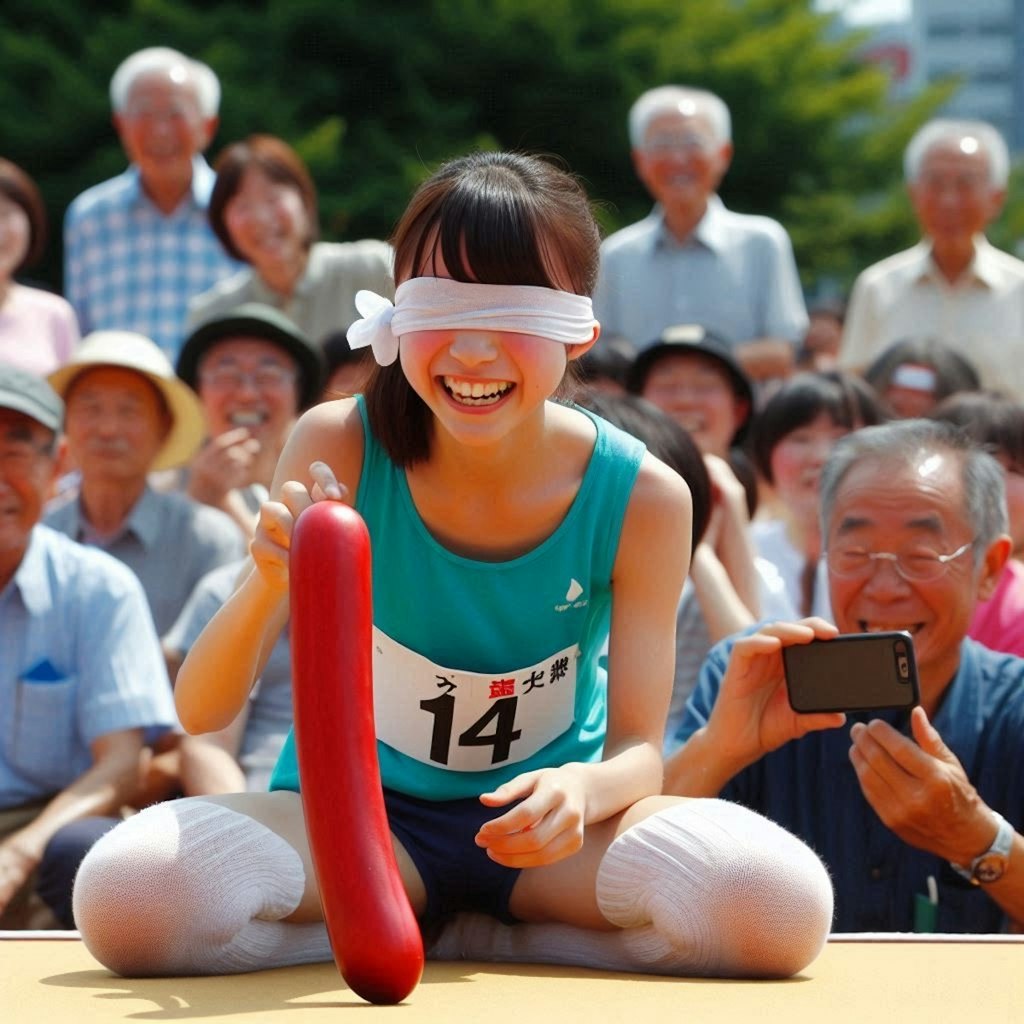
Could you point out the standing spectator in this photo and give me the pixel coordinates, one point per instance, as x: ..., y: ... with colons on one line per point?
x: 81, y: 676
x: 127, y: 416
x: 952, y: 285
x: 138, y: 247
x: 38, y: 330
x: 264, y: 211
x: 692, y: 260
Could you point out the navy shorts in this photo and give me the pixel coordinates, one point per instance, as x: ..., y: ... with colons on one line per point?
x: 457, y: 874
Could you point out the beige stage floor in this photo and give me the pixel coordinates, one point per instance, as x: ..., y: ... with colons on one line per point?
x: 904, y: 982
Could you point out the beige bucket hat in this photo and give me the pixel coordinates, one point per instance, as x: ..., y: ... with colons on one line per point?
x: 130, y: 351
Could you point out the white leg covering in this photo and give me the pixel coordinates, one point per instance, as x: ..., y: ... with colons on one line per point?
x: 192, y: 887
x: 703, y: 888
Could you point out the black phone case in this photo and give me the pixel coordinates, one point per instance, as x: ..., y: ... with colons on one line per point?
x: 853, y: 672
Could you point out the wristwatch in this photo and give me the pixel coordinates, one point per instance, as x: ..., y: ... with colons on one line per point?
x: 990, y: 865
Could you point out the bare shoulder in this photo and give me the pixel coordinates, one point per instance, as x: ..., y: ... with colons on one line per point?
x: 660, y: 490
x: 330, y: 432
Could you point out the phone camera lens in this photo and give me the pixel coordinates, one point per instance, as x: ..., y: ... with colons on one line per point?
x: 904, y: 666
x: 901, y: 647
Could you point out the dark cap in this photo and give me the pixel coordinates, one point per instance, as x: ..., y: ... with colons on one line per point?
x: 256, y: 320
x: 31, y: 395
x: 694, y: 339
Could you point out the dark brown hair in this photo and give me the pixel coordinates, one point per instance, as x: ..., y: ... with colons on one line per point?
x: 991, y: 418
x: 846, y: 399
x: 21, y: 189
x: 270, y: 156
x: 494, y: 218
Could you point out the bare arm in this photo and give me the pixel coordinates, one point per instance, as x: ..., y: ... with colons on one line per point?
x: 219, y: 671
x: 649, y: 571
x: 764, y: 358
x: 103, y: 789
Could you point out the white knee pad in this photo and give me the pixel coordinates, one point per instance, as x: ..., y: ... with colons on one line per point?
x: 708, y: 887
x: 193, y: 887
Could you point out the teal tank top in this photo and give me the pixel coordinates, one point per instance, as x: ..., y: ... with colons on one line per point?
x: 485, y: 670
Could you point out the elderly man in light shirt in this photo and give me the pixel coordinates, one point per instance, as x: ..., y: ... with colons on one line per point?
x: 692, y: 261
x: 953, y: 285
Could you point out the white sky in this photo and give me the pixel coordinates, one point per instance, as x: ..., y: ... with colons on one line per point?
x: 867, y: 11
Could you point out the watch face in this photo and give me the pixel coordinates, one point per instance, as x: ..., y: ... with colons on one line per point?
x: 990, y: 867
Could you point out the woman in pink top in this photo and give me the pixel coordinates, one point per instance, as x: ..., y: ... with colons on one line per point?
x: 996, y: 422
x: 38, y: 329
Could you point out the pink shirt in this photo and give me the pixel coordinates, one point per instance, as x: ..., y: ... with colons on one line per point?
x: 998, y: 623
x: 38, y: 330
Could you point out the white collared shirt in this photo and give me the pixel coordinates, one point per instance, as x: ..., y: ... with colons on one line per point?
x: 981, y: 314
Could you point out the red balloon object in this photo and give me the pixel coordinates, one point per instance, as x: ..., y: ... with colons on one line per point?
x: 374, y: 934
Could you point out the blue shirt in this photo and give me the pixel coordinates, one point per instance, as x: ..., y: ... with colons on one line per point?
x: 79, y: 658
x: 735, y: 275
x: 168, y: 540
x: 130, y: 267
x: 810, y: 788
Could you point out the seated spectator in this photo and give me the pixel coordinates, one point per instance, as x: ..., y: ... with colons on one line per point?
x: 606, y: 367
x: 242, y: 756
x: 83, y: 685
x: 38, y: 330
x: 900, y: 804
x: 138, y: 247
x: 996, y: 422
x: 127, y: 416
x: 709, y: 607
x: 912, y: 375
x: 254, y: 371
x: 264, y: 211
x: 346, y: 369
x: 694, y: 377
x: 791, y: 440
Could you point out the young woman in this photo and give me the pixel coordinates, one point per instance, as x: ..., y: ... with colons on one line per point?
x: 514, y: 536
x: 38, y: 330
x: 792, y: 438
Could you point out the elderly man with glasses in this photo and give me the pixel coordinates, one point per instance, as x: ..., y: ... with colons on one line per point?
x: 914, y: 814
x: 82, y: 682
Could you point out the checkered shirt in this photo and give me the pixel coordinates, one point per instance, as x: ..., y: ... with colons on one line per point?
x: 127, y: 266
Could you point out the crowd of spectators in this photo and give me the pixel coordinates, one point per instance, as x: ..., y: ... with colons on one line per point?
x: 142, y: 415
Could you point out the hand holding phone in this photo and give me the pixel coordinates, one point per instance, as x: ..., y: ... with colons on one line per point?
x: 852, y: 672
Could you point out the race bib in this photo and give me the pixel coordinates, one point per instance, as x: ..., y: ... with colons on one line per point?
x: 469, y: 721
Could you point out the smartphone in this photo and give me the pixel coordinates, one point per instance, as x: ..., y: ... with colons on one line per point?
x: 853, y: 672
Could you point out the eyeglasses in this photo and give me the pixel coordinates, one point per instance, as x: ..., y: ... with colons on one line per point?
x: 19, y: 458
x: 264, y: 378
x: 918, y: 566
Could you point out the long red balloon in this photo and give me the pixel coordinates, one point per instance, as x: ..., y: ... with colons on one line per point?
x: 374, y: 935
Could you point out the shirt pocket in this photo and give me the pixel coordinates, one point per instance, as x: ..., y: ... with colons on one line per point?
x: 44, y: 746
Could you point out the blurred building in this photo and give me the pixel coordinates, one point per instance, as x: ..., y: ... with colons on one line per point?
x: 980, y: 42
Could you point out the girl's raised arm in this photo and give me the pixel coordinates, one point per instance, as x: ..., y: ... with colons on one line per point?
x: 321, y: 460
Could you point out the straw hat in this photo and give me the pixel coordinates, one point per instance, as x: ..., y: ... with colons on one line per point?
x: 129, y: 351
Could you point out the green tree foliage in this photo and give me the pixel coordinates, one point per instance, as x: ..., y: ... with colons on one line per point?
x: 374, y: 96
